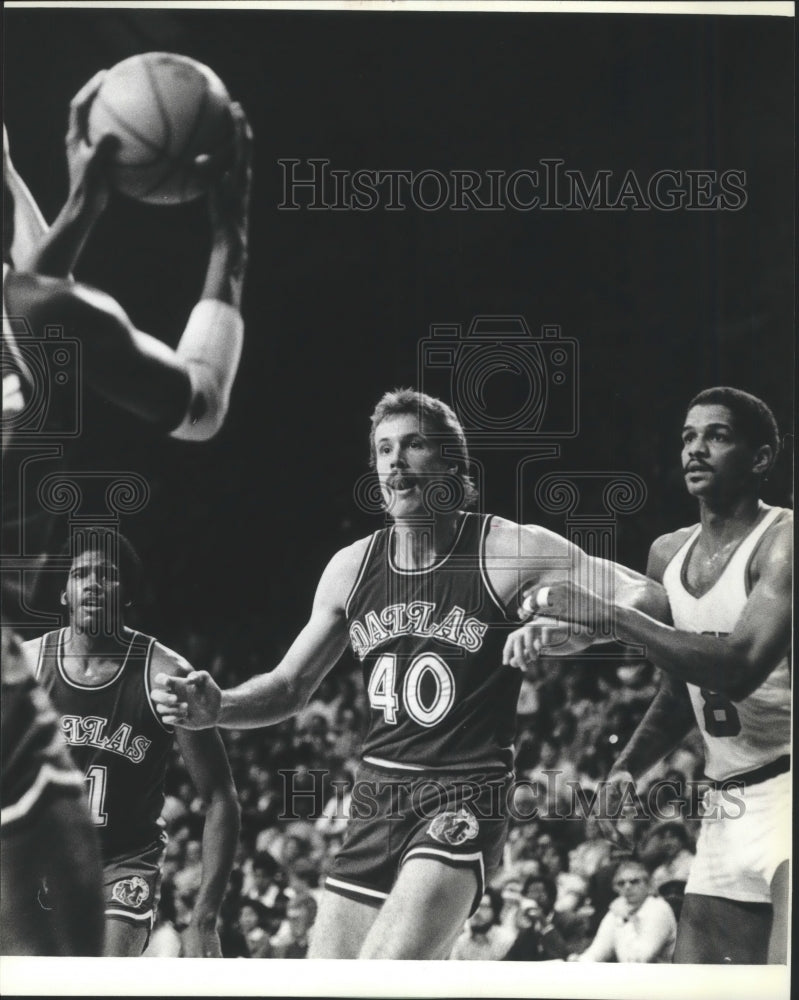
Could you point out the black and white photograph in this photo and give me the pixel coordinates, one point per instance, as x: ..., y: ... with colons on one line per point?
x: 398, y: 431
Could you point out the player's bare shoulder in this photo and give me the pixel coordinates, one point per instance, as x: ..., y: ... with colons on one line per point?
x: 776, y: 546
x: 341, y: 574
x: 505, y: 537
x: 166, y: 661
x: 664, y: 549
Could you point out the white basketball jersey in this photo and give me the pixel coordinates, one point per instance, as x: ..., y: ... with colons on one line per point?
x: 742, y: 735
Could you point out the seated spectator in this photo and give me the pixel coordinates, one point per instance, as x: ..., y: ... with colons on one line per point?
x: 252, y: 923
x: 668, y: 849
x: 573, y: 911
x: 537, y: 939
x: 291, y: 940
x: 638, y: 926
x: 483, y: 937
x: 587, y: 857
x: 266, y: 882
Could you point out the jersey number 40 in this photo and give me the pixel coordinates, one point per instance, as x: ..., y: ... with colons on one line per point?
x: 383, y: 689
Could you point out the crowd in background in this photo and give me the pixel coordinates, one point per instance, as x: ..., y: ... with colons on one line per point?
x: 563, y: 891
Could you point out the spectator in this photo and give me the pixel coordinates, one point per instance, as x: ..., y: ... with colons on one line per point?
x: 537, y: 940
x: 252, y: 923
x: 291, y: 940
x: 669, y: 849
x: 483, y: 937
x: 638, y: 926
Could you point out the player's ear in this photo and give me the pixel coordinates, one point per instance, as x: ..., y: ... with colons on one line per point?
x: 764, y: 456
x: 63, y: 597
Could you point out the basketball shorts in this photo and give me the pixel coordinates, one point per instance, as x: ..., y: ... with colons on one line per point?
x: 458, y: 819
x: 745, y: 835
x: 132, y: 885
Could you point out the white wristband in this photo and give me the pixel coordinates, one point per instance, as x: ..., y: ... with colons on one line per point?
x: 211, y: 349
x: 542, y: 597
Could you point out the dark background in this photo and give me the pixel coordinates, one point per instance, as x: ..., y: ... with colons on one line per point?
x: 662, y: 304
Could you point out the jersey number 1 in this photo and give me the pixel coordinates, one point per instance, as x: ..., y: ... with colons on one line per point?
x: 383, y: 694
x: 97, y: 777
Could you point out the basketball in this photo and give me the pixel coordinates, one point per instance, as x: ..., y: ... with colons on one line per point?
x: 165, y: 110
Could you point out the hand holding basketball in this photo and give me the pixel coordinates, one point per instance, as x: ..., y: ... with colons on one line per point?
x: 88, y: 165
x: 172, y: 118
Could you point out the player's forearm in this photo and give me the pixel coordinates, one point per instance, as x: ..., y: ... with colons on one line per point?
x: 667, y: 720
x: 220, y: 837
x: 210, y: 349
x: 224, y: 278
x: 264, y: 700
x: 59, y: 249
x: 713, y: 662
x: 29, y: 223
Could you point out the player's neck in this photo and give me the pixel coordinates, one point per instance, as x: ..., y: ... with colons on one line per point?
x: 95, y: 644
x: 419, y: 543
x: 728, y: 518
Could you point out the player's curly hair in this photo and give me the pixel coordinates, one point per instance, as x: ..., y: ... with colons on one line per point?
x: 442, y: 424
x: 113, y: 544
x: 753, y: 418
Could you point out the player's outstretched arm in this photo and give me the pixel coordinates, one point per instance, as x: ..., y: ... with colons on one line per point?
x: 525, y: 561
x: 60, y: 247
x: 196, y: 701
x: 734, y: 665
x: 29, y: 223
x: 119, y: 361
x: 208, y: 767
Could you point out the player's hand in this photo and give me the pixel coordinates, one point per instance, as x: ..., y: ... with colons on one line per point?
x: 88, y: 165
x: 229, y: 201
x: 191, y: 702
x: 619, y: 787
x: 201, y: 941
x: 542, y: 636
x: 567, y: 601
x: 524, y: 646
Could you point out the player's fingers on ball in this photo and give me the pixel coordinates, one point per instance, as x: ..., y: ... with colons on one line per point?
x: 106, y: 147
x: 80, y: 103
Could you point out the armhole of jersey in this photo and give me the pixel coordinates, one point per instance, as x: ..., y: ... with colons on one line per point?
x: 147, y: 689
x: 37, y: 673
x: 362, y: 569
x: 484, y: 573
x: 682, y: 553
x: 771, y: 522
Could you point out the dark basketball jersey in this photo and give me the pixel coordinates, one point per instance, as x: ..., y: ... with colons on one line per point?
x: 117, y: 741
x: 432, y: 657
x: 36, y: 764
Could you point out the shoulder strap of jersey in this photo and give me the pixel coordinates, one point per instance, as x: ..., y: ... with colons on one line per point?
x: 47, y: 662
x: 376, y: 546
x: 675, y: 564
x: 747, y: 549
x: 483, y: 524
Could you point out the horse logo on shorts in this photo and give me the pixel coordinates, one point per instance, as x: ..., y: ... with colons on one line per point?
x: 131, y: 892
x: 453, y: 828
